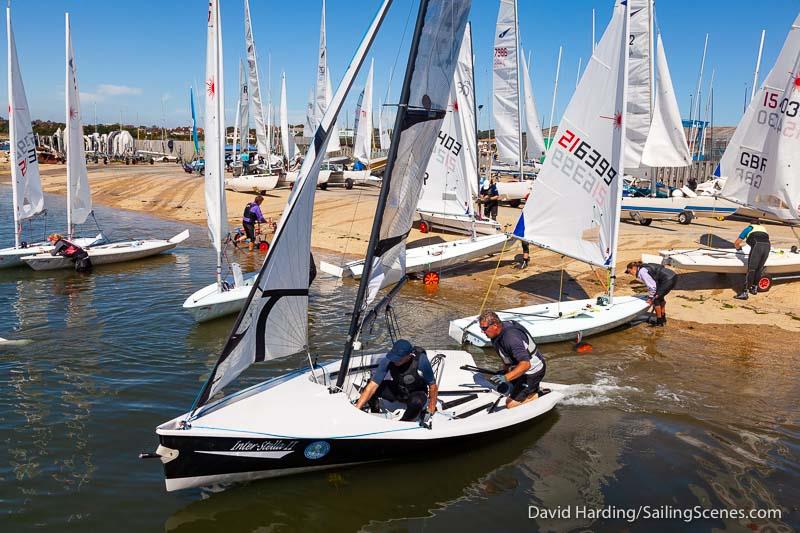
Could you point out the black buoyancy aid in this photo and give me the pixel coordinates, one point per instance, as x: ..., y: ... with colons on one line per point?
x: 407, y: 377
x: 659, y: 273
x: 533, y: 350
x: 247, y: 215
x: 757, y: 234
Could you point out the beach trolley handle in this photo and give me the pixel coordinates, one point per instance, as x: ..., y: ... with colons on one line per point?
x: 482, y: 370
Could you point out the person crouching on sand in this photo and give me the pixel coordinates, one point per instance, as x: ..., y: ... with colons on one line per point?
x: 659, y: 281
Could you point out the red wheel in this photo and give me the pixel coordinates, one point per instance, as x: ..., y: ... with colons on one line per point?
x: 423, y: 227
x: 263, y: 247
x: 764, y: 284
x: 431, y: 278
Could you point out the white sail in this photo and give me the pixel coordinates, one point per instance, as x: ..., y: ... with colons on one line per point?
x: 383, y: 134
x: 27, y: 187
x: 310, y: 125
x: 666, y: 142
x: 333, y: 144
x: 452, y: 174
x: 241, y: 129
x: 362, y: 147
x: 215, y: 131
x: 640, y: 81
x: 505, y: 84
x: 78, y: 192
x: 535, y: 145
x: 429, y: 92
x: 286, y: 140
x: 762, y: 159
x: 274, y: 322
x: 578, y: 190
x: 322, y: 94
x: 262, y: 144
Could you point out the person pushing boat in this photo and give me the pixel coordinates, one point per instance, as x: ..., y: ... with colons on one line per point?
x: 252, y: 214
x: 757, y: 237
x: 659, y: 281
x: 412, y: 381
x: 523, y: 364
x: 65, y: 248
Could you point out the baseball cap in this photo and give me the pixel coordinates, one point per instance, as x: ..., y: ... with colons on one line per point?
x: 400, y: 349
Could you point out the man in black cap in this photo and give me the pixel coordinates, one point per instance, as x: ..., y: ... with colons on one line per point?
x: 412, y: 383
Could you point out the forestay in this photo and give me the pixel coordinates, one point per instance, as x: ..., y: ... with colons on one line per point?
x: 262, y: 145
x: 274, y: 321
x: 428, y: 82
x: 25, y: 181
x: 451, y: 177
x: 286, y: 140
x: 576, y: 195
x: 215, y: 131
x: 666, y: 143
x: 762, y: 159
x: 505, y: 84
x: 535, y: 140
x: 362, y: 148
x: 79, y: 194
x: 640, y: 81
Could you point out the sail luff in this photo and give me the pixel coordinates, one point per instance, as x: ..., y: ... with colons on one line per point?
x: 255, y: 85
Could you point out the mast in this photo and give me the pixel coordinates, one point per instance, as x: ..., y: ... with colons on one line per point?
x: 236, y: 124
x: 402, y: 110
x: 66, y: 98
x: 652, y: 81
x: 696, y: 111
x: 11, y: 133
x: 519, y: 87
x: 555, y: 93
x: 621, y: 152
x: 475, y: 121
x: 758, y: 66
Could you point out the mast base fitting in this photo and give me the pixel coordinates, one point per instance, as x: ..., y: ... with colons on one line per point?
x: 603, y: 300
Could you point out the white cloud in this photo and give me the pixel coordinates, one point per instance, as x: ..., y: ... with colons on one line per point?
x: 107, y: 89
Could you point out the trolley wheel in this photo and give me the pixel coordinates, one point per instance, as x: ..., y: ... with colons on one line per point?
x: 348, y: 184
x: 514, y: 203
x: 431, y: 278
x: 263, y: 246
x: 424, y: 227
x: 152, y: 161
x: 323, y: 186
x: 645, y: 221
x: 720, y: 218
x: 685, y: 217
x: 764, y: 284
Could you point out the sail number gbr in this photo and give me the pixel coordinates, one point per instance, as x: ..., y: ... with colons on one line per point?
x: 587, y: 168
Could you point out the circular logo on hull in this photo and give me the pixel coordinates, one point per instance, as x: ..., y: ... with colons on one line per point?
x: 317, y: 450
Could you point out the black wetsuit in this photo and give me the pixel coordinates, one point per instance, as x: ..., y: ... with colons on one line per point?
x: 758, y: 240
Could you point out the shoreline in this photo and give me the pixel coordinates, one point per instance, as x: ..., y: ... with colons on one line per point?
x: 343, y: 219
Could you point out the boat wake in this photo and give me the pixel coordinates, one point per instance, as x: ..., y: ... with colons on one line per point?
x: 605, y: 390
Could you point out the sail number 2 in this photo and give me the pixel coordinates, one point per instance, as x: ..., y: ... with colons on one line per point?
x: 595, y: 171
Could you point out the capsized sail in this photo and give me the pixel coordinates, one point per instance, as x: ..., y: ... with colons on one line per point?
x: 762, y: 159
x: 427, y: 92
x: 505, y: 84
x: 451, y: 177
x: 286, y: 140
x: 666, y: 143
x: 274, y: 321
x: 535, y: 145
x: 262, y: 144
x: 640, y: 80
x: 215, y: 131
x: 362, y: 148
x: 80, y: 196
x: 577, y: 193
x: 25, y: 180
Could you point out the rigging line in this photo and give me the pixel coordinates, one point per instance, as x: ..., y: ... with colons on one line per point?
x: 399, y: 49
x: 560, y: 288
x: 494, y: 275
x: 350, y: 232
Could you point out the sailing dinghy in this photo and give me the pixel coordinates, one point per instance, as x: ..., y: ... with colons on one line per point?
x: 79, y: 199
x: 304, y: 420
x: 578, y: 194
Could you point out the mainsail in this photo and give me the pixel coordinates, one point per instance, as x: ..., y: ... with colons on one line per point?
x: 274, y: 321
x: 451, y: 177
x: 25, y: 181
x: 426, y: 90
x: 322, y: 95
x: 215, y: 135
x: 286, y: 140
x: 241, y: 129
x: 262, y: 144
x: 762, y: 159
x: 578, y: 190
x: 79, y: 197
x: 362, y: 148
x: 535, y: 145
x: 505, y: 84
x: 640, y: 80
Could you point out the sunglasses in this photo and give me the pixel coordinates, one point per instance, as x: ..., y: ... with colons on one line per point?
x: 487, y: 326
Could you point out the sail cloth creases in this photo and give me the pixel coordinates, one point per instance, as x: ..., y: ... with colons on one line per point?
x: 638, y: 114
x: 262, y: 144
x: 274, y: 321
x: 761, y: 161
x: 535, y: 140
x: 430, y: 79
x: 452, y: 173
x: 27, y: 185
x: 80, y: 196
x: 578, y: 188
x: 505, y: 84
x: 215, y: 132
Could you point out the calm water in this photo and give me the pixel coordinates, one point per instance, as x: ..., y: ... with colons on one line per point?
x: 680, y: 417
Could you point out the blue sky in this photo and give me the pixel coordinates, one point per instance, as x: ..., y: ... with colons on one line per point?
x: 139, y: 57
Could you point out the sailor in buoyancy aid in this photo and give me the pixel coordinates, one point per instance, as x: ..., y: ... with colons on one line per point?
x: 64, y: 248
x: 251, y: 215
x: 659, y: 281
x: 523, y: 363
x: 412, y: 381
x: 756, y: 236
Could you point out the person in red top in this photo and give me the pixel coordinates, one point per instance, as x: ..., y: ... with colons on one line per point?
x: 65, y: 248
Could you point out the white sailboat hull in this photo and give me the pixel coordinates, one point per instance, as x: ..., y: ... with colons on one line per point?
x: 105, y: 254
x: 729, y: 261
x: 254, y: 183
x: 460, y: 223
x: 209, y: 303
x: 665, y: 208
x: 432, y: 257
x: 12, y: 257
x: 556, y: 322
x: 514, y: 190
x: 264, y: 431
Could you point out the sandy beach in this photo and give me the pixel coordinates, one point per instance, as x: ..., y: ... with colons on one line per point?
x: 342, y: 220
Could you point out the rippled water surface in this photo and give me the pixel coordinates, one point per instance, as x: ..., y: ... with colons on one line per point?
x: 682, y: 417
